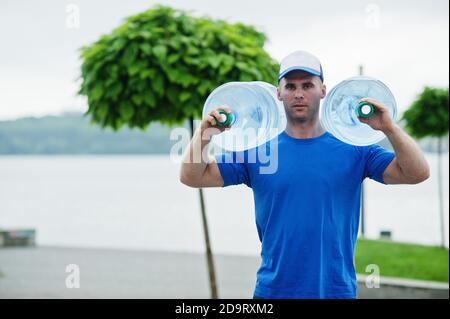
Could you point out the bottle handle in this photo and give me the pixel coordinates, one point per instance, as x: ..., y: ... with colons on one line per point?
x: 228, y: 120
x: 365, y: 110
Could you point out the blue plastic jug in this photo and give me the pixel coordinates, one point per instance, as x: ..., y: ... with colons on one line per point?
x: 257, y: 114
x: 340, y: 110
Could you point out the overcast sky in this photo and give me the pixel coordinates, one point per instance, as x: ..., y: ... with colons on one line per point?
x: 403, y: 43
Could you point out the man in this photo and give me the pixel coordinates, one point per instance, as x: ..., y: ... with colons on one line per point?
x: 307, y: 211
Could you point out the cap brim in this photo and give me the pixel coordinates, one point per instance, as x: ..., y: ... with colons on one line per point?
x: 300, y: 68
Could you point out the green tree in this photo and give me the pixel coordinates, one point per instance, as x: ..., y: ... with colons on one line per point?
x: 428, y: 116
x: 161, y: 64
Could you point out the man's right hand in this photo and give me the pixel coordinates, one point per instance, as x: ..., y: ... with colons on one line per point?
x: 209, y: 125
x: 197, y: 170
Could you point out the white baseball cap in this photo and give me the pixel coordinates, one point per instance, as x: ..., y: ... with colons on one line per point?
x: 300, y: 60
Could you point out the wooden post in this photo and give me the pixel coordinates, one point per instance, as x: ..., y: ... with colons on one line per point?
x: 440, y: 186
x: 209, y: 255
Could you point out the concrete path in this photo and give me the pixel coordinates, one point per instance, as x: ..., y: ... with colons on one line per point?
x: 40, y: 272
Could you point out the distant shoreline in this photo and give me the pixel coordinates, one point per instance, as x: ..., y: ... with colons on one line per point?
x: 73, y: 134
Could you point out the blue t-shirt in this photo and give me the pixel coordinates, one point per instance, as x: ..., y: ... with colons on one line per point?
x: 307, y: 204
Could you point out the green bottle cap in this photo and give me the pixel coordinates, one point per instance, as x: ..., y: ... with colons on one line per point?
x: 228, y: 120
x: 365, y: 109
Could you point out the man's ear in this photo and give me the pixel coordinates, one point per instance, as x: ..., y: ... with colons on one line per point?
x: 278, y: 93
x: 324, y: 91
x: 279, y: 90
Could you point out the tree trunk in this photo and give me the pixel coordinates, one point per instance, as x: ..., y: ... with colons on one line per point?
x: 209, y: 256
x: 440, y: 190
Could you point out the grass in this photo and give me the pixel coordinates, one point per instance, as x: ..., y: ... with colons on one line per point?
x: 402, y: 260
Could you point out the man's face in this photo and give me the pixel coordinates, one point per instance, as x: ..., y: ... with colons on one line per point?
x: 301, y: 93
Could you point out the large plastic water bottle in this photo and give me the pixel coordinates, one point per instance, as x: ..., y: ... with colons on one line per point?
x: 257, y: 114
x: 340, y: 110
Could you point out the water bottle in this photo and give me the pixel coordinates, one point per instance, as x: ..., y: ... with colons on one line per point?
x: 256, y: 114
x: 340, y: 110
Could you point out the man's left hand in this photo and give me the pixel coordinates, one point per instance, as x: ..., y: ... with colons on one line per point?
x: 381, y: 119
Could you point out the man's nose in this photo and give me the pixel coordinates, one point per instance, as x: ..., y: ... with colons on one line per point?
x: 299, y: 94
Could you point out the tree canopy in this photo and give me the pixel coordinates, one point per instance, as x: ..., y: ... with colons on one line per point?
x: 161, y: 64
x: 428, y: 115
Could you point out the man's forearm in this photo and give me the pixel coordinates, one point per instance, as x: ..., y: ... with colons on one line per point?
x: 409, y: 156
x: 194, y: 162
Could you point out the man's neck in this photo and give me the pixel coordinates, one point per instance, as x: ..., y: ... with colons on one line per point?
x: 304, y: 129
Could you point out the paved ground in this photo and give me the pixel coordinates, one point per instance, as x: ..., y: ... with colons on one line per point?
x: 41, y: 273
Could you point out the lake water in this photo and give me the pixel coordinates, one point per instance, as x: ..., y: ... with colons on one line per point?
x: 137, y: 202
